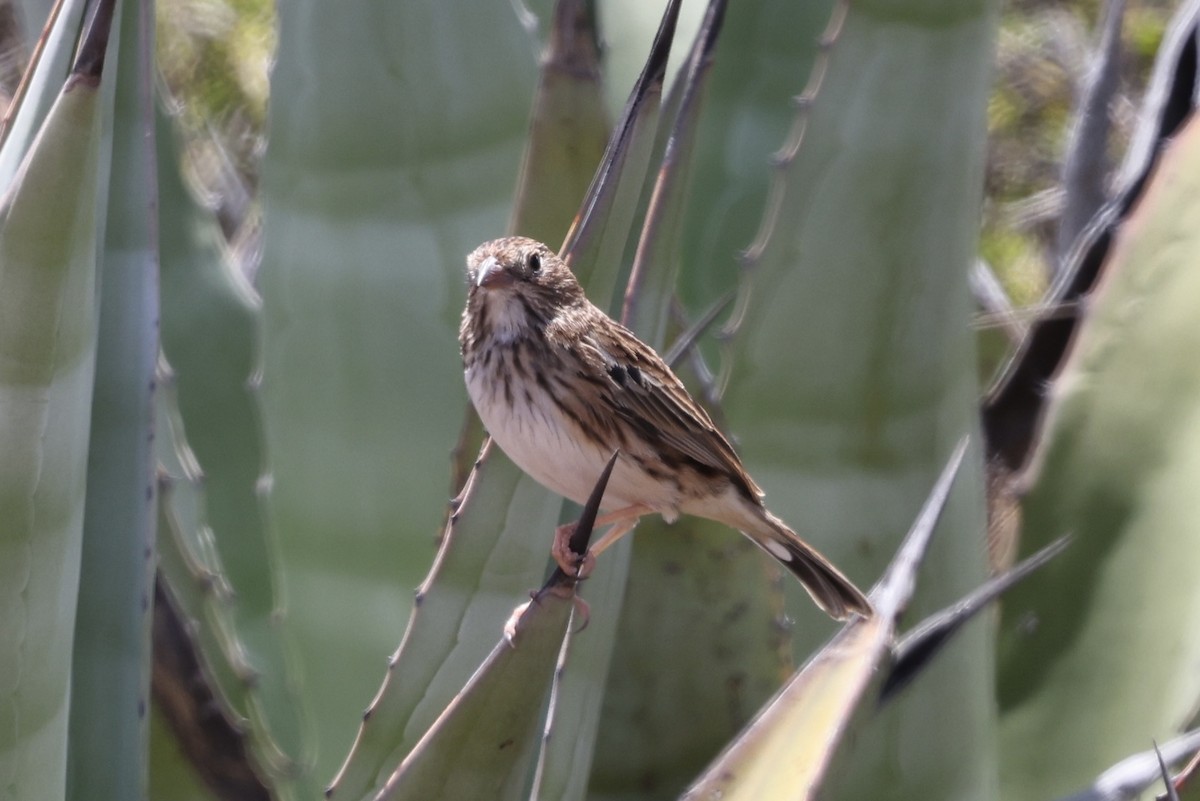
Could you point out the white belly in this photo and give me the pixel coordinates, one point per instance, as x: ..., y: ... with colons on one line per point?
x: 542, y: 441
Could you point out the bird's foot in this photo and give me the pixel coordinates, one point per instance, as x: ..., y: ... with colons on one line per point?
x: 574, y: 565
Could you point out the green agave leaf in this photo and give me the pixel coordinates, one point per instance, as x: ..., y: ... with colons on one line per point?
x: 191, y: 720
x: 1130, y: 777
x: 601, y: 232
x: 469, y: 752
x: 110, y: 677
x: 33, y: 15
x: 920, y: 645
x: 650, y: 289
x: 47, y: 70
x: 192, y: 574
x: 202, y: 604
x: 569, y: 128
x: 460, y: 605
x: 1117, y: 468
x: 48, y: 247
x: 474, y: 748
x: 385, y: 167
x: 766, y: 52
x: 786, y: 751
x: 851, y: 370
x: 222, y: 563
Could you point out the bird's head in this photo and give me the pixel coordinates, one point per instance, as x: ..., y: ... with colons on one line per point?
x: 516, y: 284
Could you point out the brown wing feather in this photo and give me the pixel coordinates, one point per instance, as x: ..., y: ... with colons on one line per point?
x: 649, y: 396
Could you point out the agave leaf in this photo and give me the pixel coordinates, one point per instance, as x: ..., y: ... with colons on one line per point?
x: 200, y: 602
x: 458, y: 606
x: 852, y: 371
x: 786, y: 751
x: 1085, y: 165
x: 193, y: 578
x: 48, y: 249
x: 919, y: 646
x: 600, y: 233
x: 569, y: 129
x: 48, y: 67
x: 649, y: 290
x: 474, y: 748
x: 1116, y: 466
x: 379, y: 176
x: 766, y: 52
x: 188, y: 719
x: 220, y: 543
x: 470, y: 751
x: 110, y: 679
x: 1127, y: 779
x: 34, y: 14
x: 1168, y: 781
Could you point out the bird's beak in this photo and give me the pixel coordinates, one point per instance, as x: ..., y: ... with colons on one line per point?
x: 491, y: 274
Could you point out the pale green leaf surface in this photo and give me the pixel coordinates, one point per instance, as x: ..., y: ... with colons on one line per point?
x: 1099, y: 650
x: 43, y: 87
x: 568, y: 131
x: 762, y: 61
x: 189, y: 564
x: 211, y: 327
x: 197, y: 583
x: 580, y: 686
x: 386, y: 166
x: 853, y: 373
x: 33, y: 15
x: 1132, y: 776
x: 47, y: 337
x: 469, y: 752
x: 110, y: 679
x: 481, y: 572
x: 601, y: 234
x: 787, y: 750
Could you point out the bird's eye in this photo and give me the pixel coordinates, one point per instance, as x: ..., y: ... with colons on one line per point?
x: 535, y: 262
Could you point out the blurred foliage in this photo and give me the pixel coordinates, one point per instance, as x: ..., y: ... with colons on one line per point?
x: 214, y: 57
x: 1043, y: 54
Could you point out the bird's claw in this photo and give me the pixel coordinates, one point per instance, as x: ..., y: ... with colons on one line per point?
x: 583, y: 612
x: 574, y: 565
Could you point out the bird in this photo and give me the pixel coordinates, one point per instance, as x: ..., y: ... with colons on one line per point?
x: 560, y: 386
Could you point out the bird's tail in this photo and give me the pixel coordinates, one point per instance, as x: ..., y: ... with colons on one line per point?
x: 832, y: 591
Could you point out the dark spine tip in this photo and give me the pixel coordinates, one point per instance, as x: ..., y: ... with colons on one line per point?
x: 89, y: 62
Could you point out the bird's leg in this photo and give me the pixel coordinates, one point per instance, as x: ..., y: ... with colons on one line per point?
x: 622, y: 520
x: 619, y: 529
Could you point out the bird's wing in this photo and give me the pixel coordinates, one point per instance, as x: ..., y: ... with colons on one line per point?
x: 650, y: 397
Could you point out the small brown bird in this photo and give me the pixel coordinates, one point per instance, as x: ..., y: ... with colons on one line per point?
x: 560, y: 386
